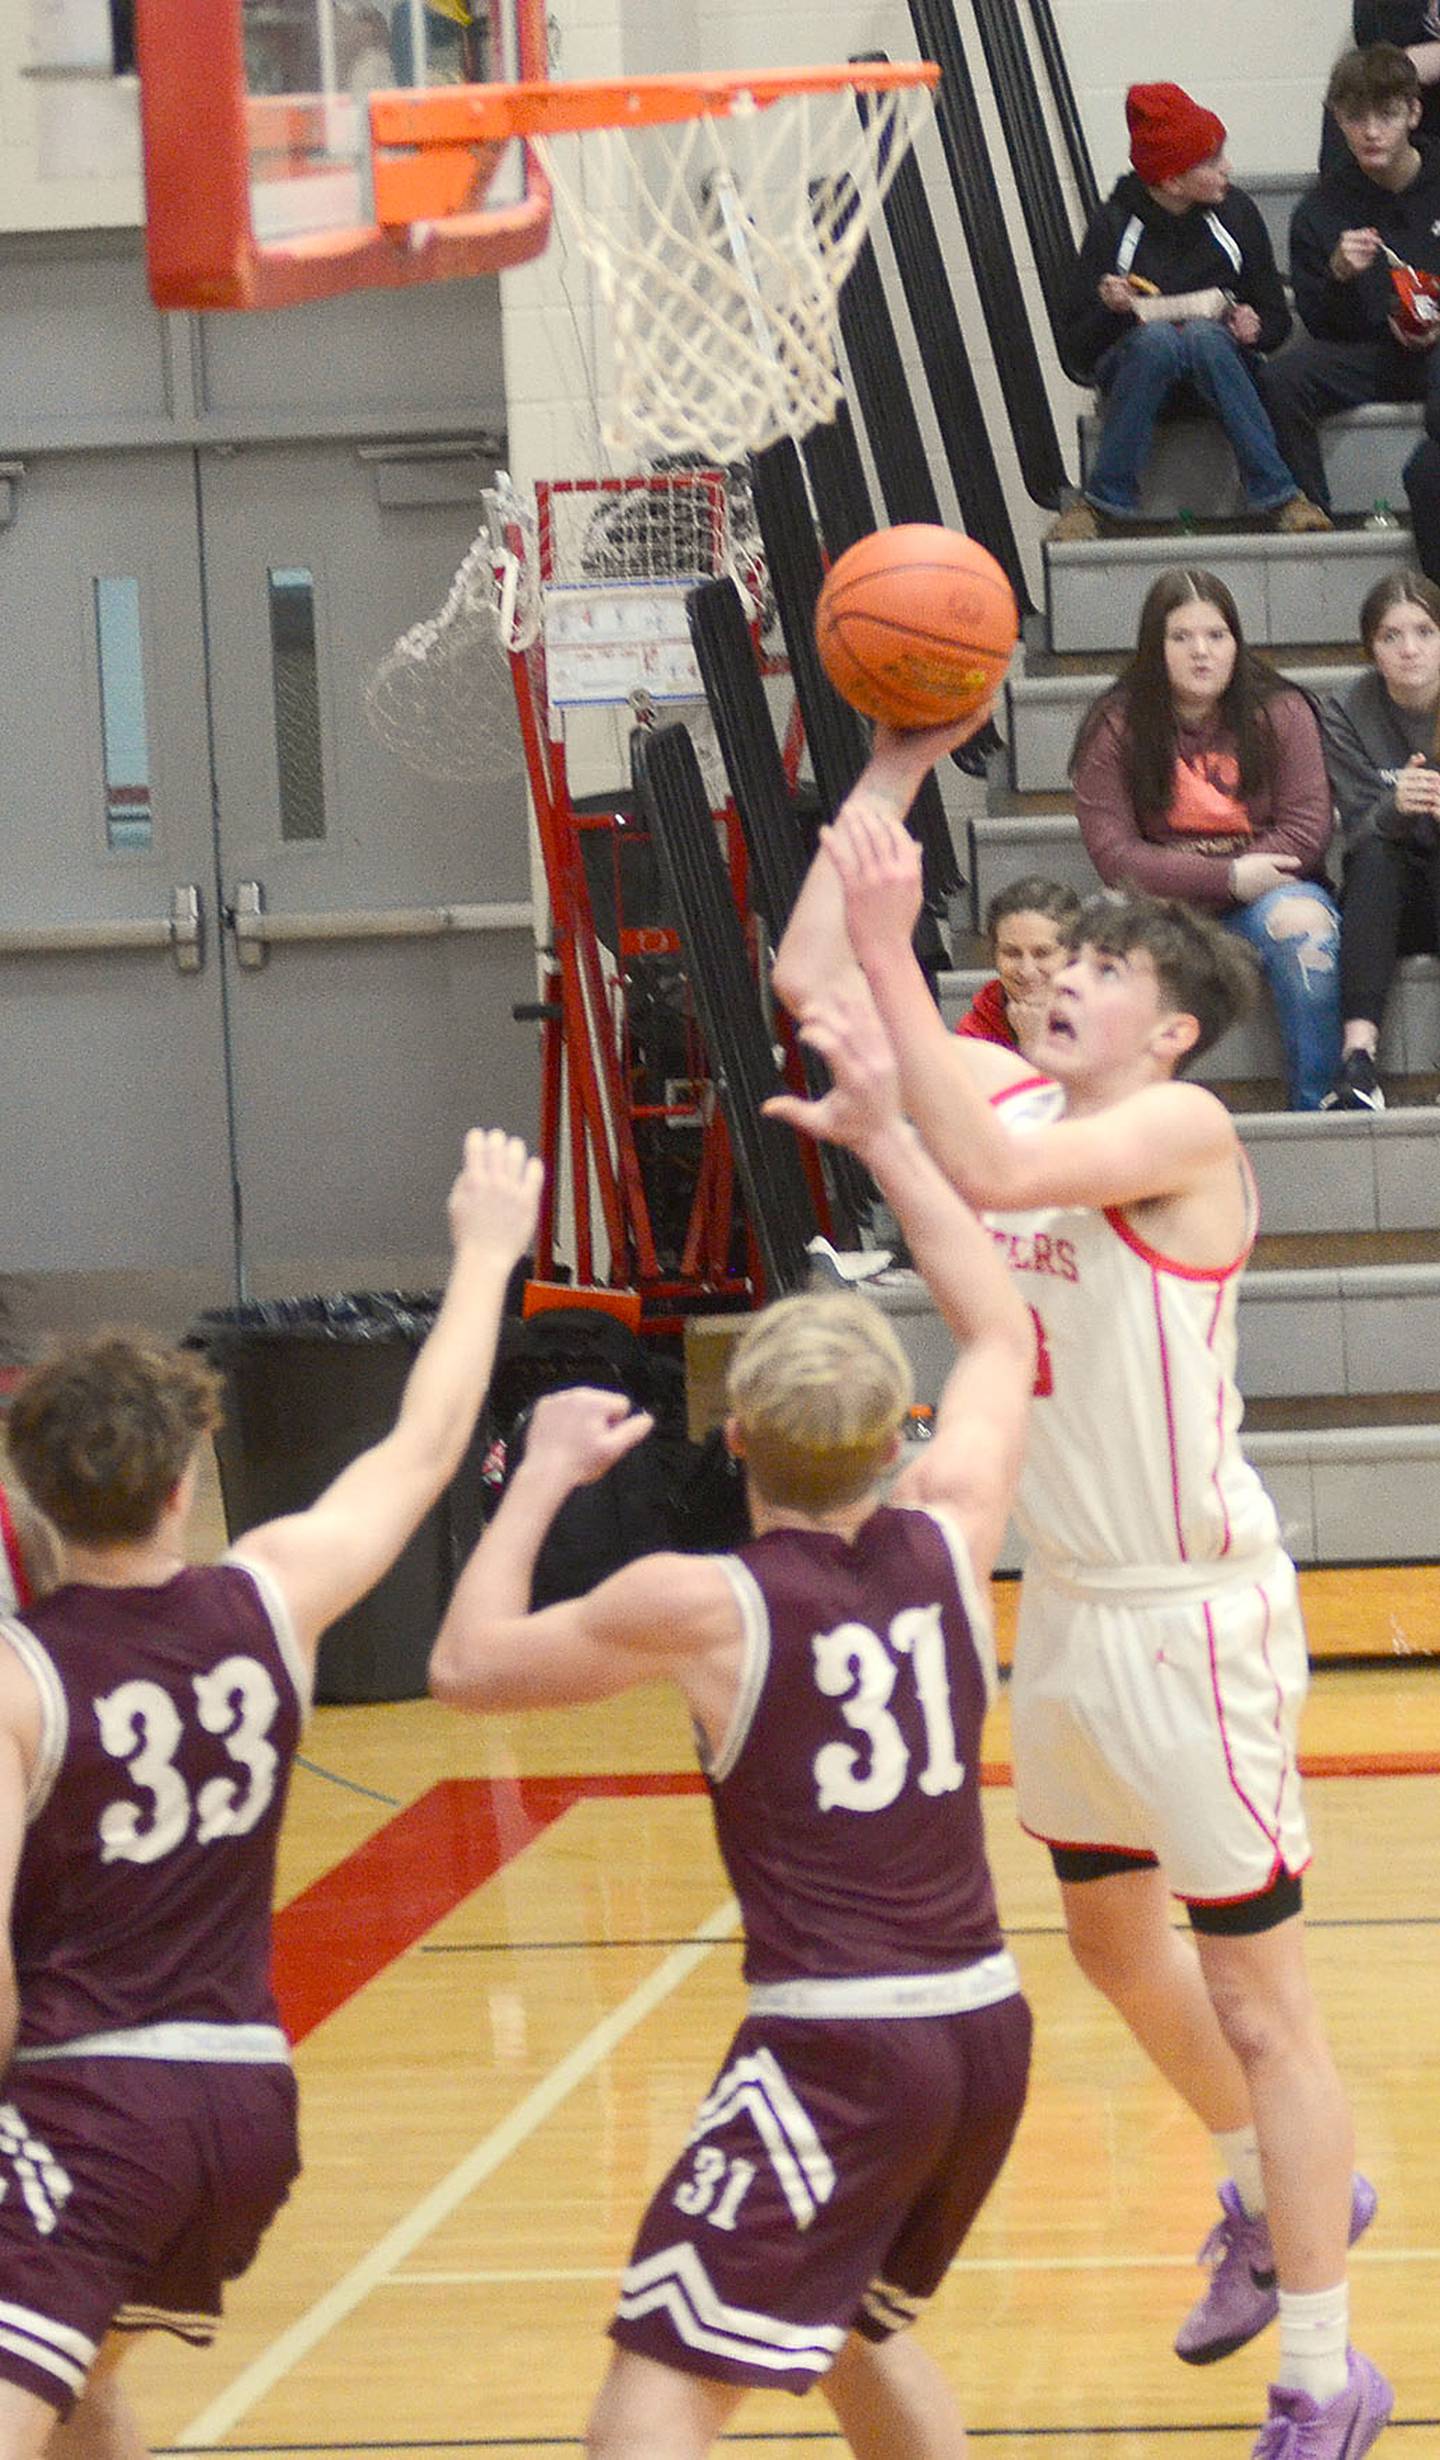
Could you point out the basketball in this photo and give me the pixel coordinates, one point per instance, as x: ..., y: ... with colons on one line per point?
x: 916, y: 625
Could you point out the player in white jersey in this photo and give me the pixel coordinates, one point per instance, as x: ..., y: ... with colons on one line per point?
x: 29, y: 1552
x: 1161, y: 1662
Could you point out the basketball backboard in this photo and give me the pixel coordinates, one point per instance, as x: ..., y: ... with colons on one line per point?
x: 255, y: 125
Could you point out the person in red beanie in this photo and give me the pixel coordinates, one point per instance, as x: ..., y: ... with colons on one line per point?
x: 1176, y: 300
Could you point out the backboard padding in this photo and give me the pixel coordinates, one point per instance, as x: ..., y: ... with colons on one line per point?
x: 255, y: 125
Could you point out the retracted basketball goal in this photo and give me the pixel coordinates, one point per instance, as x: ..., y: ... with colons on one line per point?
x: 583, y: 591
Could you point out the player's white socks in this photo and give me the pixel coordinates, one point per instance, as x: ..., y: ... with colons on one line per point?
x: 1239, y: 2157
x: 1314, y: 2337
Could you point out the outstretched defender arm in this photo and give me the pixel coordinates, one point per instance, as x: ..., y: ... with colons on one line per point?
x: 666, y: 1616
x: 326, y: 1558
x: 973, y: 1462
x: 814, y: 959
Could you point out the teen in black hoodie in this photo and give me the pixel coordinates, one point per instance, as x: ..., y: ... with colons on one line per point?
x: 1385, y: 190
x: 1175, y: 227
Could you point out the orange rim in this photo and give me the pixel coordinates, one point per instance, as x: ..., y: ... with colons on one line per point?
x: 481, y: 114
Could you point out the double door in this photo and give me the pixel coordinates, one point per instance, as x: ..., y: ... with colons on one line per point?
x: 256, y: 975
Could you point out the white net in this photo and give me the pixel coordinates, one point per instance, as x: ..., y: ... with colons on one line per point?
x: 441, y: 699
x: 720, y: 245
x: 596, y: 569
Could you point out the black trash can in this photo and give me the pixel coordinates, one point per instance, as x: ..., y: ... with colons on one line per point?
x: 309, y: 1383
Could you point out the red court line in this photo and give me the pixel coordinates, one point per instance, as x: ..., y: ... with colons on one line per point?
x: 344, y: 1929
x: 337, y: 1934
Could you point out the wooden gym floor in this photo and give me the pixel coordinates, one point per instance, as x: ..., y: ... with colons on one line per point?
x: 507, y: 1952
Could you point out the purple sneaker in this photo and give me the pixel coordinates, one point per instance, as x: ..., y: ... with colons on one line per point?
x: 1299, y: 2428
x: 1243, y: 2295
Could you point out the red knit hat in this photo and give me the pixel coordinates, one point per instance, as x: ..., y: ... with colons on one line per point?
x: 1169, y: 134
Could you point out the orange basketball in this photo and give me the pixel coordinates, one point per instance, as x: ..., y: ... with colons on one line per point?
x: 916, y: 625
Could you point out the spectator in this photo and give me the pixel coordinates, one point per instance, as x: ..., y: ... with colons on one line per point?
x: 1200, y: 774
x: 1175, y: 230
x: 1415, y: 26
x: 1028, y: 925
x: 1382, y: 744
x: 1384, y: 192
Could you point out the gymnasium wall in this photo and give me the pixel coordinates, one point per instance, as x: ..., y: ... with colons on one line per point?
x: 1263, y: 69
x: 67, y: 156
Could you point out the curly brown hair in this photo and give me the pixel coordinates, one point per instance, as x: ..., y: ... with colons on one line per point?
x: 102, y: 1431
x: 1202, y: 969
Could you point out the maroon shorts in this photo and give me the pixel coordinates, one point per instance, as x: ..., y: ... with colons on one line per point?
x: 833, y: 2170
x: 130, y: 2189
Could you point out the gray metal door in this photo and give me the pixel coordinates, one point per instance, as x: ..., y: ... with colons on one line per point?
x: 255, y: 976
x: 380, y: 925
x: 115, y: 1197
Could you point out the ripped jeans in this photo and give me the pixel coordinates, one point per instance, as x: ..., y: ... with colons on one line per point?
x: 1300, y: 959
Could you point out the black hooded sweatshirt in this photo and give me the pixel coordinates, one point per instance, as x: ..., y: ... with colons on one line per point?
x: 1345, y: 200
x: 1225, y: 247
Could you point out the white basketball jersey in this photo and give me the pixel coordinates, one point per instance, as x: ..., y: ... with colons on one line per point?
x: 1133, y: 1456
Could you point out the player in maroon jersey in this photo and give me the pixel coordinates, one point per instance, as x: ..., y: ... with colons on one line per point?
x: 149, y: 1716
x: 837, y: 1669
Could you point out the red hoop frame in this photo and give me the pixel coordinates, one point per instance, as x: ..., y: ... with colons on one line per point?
x: 421, y: 139
x: 201, y: 245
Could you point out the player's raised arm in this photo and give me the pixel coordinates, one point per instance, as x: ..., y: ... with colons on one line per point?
x: 814, y: 957
x: 973, y: 1462
x: 656, y: 1617
x: 325, y: 1558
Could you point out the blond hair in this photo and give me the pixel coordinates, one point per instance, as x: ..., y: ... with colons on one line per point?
x: 819, y: 1387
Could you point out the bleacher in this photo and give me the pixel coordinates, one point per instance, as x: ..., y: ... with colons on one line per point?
x: 1340, y: 1316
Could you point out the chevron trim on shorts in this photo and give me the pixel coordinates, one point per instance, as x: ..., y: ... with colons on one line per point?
x: 757, y: 2084
x: 675, y: 2281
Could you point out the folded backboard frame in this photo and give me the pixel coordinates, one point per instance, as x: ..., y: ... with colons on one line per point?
x: 266, y: 199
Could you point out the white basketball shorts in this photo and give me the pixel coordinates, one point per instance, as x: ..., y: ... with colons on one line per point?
x: 1163, y: 1717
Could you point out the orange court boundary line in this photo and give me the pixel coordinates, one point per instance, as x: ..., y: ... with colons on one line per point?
x: 347, y: 1926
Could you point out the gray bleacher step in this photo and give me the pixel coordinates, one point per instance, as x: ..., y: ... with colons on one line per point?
x: 1191, y: 468
x: 1005, y: 846
x: 1409, y: 1041
x: 1277, y: 193
x: 1354, y: 1494
x: 1045, y: 708
x: 1350, y: 1170
x: 1354, y: 1329
x: 1287, y: 590
x: 1345, y: 1494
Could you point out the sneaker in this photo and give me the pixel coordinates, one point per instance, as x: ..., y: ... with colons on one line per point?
x: 1243, y: 2295
x: 1356, y: 1086
x: 1299, y: 2428
x: 1079, y: 521
x: 1297, y: 516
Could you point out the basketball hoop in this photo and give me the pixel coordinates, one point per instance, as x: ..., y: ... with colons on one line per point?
x: 721, y: 214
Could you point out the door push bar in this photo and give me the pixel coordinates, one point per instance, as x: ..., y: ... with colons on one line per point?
x: 257, y: 932
x: 181, y: 931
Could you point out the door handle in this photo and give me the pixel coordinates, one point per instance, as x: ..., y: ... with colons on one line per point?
x: 256, y: 932
x: 181, y: 931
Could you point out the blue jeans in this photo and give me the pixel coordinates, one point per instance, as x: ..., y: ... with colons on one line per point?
x: 1301, y: 964
x: 1134, y: 377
